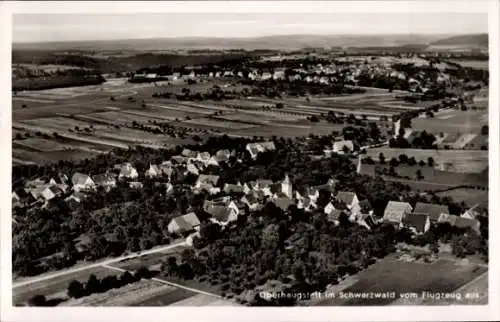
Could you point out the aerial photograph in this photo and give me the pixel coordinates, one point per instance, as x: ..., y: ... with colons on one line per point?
x: 189, y: 159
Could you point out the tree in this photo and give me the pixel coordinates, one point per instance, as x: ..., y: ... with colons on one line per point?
x: 93, y: 285
x: 484, y: 130
x: 403, y: 158
x: 112, y: 98
x: 24, y: 106
x: 75, y: 289
x: 418, y: 173
x: 381, y: 158
x: 279, y: 105
x: 430, y: 161
x: 394, y: 162
x: 37, y: 300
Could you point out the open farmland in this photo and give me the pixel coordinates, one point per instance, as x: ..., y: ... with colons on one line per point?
x: 476, y: 64
x: 393, y: 275
x: 56, y: 285
x: 452, y: 121
x: 469, y: 196
x: 471, y: 161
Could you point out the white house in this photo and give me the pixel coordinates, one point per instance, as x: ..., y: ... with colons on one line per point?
x: 81, y: 182
x: 153, y: 171
x: 183, y: 224
x: 339, y: 146
x: 128, y: 172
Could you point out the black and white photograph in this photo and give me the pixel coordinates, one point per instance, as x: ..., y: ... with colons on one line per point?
x: 263, y: 158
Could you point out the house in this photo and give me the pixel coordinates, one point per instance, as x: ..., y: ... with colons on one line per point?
x: 184, y: 224
x: 433, y: 210
x: 179, y: 159
x: 251, y: 201
x: 222, y: 155
x: 189, y: 153
x: 283, y: 203
x: 166, y: 168
x: 286, y: 187
x: 128, y: 172
x: 334, y: 216
x: 395, y: 211
x: 366, y: 220
x: 51, y: 192
x: 445, y: 218
x: 192, y: 168
x: 221, y: 214
x: 82, y: 182
x: 212, y: 161
x: 262, y: 184
x: 306, y: 204
x: 350, y: 199
x: 205, y: 179
x: 340, y: 146
x: 255, y: 148
x: 233, y: 188
x: 135, y: 185
x: 473, y: 212
x: 203, y: 157
x: 417, y: 222
x: 75, y: 197
x: 105, y: 180
x: 465, y: 223
x: 153, y: 171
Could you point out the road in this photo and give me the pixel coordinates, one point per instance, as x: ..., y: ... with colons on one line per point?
x: 169, y: 283
x: 97, y: 264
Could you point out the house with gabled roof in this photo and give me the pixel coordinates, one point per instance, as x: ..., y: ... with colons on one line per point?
x: 192, y: 168
x: 203, y: 157
x: 366, y: 220
x: 221, y: 214
x: 334, y: 216
x: 153, y: 171
x: 474, y: 211
x: 251, y: 201
x: 82, y: 182
x: 417, y: 222
x: 395, y: 211
x: 51, y: 192
x: 350, y: 199
x: 445, y: 218
x: 233, y: 188
x: 184, y: 224
x: 223, y: 155
x: 127, y: 171
x: 179, y: 159
x: 306, y: 204
x: 433, y: 210
x: 207, y: 179
x: 258, y: 147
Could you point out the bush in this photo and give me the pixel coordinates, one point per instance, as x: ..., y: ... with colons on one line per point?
x: 37, y: 300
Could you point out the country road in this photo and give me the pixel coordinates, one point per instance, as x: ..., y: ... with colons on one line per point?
x: 97, y: 264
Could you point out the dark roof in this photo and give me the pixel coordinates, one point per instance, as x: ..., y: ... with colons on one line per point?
x: 365, y: 205
x: 416, y: 221
x: 275, y: 187
x: 345, y: 196
x: 263, y: 183
x: 462, y: 222
x: 433, y: 210
x: 232, y: 188
x: 334, y: 215
x: 395, y: 210
x: 220, y: 213
x: 251, y: 199
x: 103, y: 178
x: 284, y: 203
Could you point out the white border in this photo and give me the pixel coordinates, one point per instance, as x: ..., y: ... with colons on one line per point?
x: 423, y: 313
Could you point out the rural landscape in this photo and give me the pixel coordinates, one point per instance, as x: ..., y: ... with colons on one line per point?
x: 265, y: 171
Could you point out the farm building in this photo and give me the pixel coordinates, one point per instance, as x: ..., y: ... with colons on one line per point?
x: 433, y: 210
x: 82, y: 182
x: 417, y: 222
x: 395, y: 211
x: 128, y: 172
x: 183, y: 224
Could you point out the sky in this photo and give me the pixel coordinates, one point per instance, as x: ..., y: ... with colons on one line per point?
x: 78, y: 27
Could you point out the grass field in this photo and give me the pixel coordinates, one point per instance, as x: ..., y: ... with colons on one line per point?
x: 477, y: 64
x: 167, y: 297
x: 56, y: 285
x: 469, y: 196
x: 392, y: 275
x: 452, y: 121
x: 471, y: 161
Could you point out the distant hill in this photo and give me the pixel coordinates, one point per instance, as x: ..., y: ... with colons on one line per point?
x: 479, y: 40
x: 287, y: 42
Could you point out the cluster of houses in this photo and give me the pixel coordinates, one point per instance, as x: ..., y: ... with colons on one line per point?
x: 419, y: 219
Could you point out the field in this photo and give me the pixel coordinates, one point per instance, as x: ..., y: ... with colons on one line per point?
x: 453, y: 121
x: 469, y: 161
x: 469, y: 196
x: 111, y: 108
x: 56, y: 285
x: 392, y: 275
x: 477, y: 64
